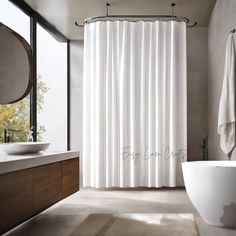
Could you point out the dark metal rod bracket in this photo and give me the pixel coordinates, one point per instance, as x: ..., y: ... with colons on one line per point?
x: 108, y: 5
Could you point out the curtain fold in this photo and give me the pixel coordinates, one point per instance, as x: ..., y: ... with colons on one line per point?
x: 134, y: 104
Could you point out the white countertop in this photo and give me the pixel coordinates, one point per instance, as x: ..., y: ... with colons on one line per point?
x: 10, y: 163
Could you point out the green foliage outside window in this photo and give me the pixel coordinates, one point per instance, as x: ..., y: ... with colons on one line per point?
x: 16, y: 116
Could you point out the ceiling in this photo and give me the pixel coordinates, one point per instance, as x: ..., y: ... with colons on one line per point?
x: 63, y: 13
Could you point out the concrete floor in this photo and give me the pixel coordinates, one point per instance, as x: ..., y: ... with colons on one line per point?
x: 62, y: 218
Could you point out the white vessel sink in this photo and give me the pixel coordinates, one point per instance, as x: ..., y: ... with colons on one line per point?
x: 23, y: 147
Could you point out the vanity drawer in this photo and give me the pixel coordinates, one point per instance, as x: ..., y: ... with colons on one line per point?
x: 15, y: 198
x: 46, y: 186
x: 70, y: 177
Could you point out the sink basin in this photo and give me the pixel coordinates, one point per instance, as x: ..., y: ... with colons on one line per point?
x: 23, y: 147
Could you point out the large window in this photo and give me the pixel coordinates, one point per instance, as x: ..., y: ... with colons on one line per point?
x: 15, y: 19
x: 17, y: 115
x: 52, y: 90
x: 46, y: 108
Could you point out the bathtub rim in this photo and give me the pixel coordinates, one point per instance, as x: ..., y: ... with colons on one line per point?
x: 210, y: 163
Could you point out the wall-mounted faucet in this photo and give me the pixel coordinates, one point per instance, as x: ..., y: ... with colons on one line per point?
x: 8, y: 134
x: 204, y: 147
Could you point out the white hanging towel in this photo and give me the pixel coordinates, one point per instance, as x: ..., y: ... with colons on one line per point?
x: 226, y: 117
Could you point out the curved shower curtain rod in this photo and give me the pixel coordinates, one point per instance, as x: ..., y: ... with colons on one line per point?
x: 133, y: 18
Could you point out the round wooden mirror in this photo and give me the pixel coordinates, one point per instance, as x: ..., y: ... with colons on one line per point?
x: 15, y: 66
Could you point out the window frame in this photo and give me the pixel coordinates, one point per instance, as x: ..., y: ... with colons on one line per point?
x: 34, y: 19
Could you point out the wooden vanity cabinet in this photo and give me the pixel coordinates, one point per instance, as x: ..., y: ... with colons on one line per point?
x: 25, y: 193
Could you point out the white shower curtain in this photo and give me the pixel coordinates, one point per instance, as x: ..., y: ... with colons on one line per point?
x: 134, y: 104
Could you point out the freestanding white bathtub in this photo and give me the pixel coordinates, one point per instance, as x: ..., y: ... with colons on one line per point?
x: 211, y: 187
